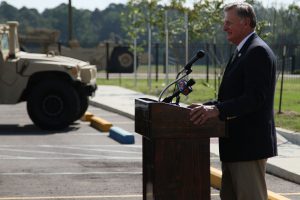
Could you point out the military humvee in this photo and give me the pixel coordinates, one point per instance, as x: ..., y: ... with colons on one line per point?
x: 56, y: 88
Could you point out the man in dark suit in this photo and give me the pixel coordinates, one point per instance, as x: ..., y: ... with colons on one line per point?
x: 245, y: 103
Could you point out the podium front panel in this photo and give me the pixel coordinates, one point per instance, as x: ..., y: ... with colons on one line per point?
x: 176, y: 169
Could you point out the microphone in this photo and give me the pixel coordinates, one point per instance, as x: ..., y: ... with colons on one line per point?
x: 199, y: 55
x: 183, y: 87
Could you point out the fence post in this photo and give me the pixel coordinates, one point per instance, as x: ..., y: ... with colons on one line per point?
x: 135, y: 61
x: 107, y: 60
x: 215, y: 66
x: 293, y: 64
x: 207, y: 63
x: 164, y: 61
x: 156, y: 60
x: 282, y: 73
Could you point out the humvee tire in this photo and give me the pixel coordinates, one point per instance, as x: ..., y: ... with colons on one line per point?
x: 84, y: 104
x: 53, y: 104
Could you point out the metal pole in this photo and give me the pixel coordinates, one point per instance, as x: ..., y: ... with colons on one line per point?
x: 207, y: 63
x: 282, y: 73
x: 293, y: 63
x: 135, y: 62
x: 70, y: 21
x: 186, y: 37
x: 149, y: 54
x: 167, y: 46
x: 156, y: 61
x: 107, y: 60
x: 215, y: 65
x: 135, y: 57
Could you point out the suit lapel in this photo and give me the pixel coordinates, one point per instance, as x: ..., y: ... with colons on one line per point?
x: 233, y: 63
x: 247, y: 44
x: 233, y: 60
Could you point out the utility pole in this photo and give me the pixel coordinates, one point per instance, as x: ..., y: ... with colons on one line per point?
x: 70, y: 21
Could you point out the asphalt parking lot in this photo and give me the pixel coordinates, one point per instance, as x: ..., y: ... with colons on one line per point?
x: 78, y: 163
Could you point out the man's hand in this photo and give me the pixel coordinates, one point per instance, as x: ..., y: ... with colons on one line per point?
x: 201, y: 113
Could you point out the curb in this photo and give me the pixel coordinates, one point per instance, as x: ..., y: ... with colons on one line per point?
x: 277, y: 171
x: 215, y: 178
x: 108, y: 108
x: 292, y: 136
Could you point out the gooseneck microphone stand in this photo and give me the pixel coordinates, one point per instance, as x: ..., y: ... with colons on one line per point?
x: 173, y: 82
x: 187, y: 69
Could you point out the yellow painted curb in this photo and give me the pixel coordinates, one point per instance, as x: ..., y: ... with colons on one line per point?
x: 274, y: 196
x: 215, y: 178
x: 87, y: 117
x: 100, y: 124
x: 215, y: 181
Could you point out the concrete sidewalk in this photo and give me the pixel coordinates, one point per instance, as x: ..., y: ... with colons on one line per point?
x: 286, y: 165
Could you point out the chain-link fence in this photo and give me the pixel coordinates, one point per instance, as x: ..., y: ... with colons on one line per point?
x: 211, y: 67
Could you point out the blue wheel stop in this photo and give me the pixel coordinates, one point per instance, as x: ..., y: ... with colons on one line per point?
x: 120, y: 135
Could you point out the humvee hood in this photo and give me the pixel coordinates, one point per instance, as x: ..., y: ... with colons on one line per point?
x: 48, y: 59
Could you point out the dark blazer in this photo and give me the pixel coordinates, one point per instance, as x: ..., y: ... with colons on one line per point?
x: 245, y: 102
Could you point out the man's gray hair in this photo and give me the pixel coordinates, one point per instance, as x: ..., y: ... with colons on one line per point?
x: 243, y: 10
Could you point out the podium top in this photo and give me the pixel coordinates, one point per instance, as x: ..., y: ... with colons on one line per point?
x: 163, y: 120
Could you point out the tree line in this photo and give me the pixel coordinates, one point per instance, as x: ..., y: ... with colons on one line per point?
x: 89, y: 27
x: 121, y: 22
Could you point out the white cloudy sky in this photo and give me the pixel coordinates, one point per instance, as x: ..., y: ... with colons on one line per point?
x: 40, y: 5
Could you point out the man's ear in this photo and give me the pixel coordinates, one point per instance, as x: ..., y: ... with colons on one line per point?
x: 247, y: 21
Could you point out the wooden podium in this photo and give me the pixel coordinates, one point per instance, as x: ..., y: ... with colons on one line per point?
x: 176, y: 155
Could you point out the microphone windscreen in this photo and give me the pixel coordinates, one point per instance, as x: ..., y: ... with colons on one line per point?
x: 200, y: 54
x: 191, y: 82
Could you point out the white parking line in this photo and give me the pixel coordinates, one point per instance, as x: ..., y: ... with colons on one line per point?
x: 45, y: 152
x: 65, y: 173
x: 124, y: 122
x: 98, y: 150
x: 73, y: 197
x: 71, y: 158
x: 65, y: 155
x: 80, y: 197
x: 75, y: 145
x: 130, y: 155
x: 90, y: 134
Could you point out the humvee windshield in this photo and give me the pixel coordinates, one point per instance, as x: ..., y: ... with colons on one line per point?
x: 4, y: 44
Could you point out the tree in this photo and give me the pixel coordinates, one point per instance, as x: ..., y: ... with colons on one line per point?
x: 206, y: 19
x: 138, y: 15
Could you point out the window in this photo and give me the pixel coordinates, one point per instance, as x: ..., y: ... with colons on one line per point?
x: 4, y: 45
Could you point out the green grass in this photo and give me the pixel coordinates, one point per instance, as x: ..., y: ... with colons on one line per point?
x: 289, y: 118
